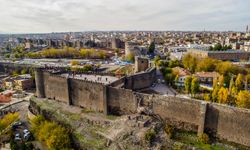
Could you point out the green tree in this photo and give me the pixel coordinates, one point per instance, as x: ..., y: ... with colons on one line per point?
x: 101, y: 55
x: 207, y: 97
x: 16, y: 73
x: 151, y: 48
x: 243, y: 99
x: 157, y: 60
x: 227, y: 68
x: 215, y: 90
x: 131, y: 57
x: 17, y: 55
x: 84, y: 53
x: 239, y: 82
x: 35, y: 124
x: 190, y: 62
x: 8, y: 120
x: 87, y: 67
x: 231, y: 85
x: 7, y: 55
x: 207, y: 65
x: 217, y: 47
x: 211, y: 48
x: 195, y: 85
x: 221, y: 81
x: 223, y: 95
x: 59, y: 139
x: 74, y: 63
x: 187, y: 84
x: 174, y: 63
x: 55, y: 136
x: 233, y: 92
x: 176, y: 79
x: 247, y: 79
x: 215, y: 94
x: 117, y: 50
x: 24, y: 71
x: 150, y: 135
x: 92, y: 53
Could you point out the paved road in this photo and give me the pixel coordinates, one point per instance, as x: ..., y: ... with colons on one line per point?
x: 17, y: 100
x: 162, y: 88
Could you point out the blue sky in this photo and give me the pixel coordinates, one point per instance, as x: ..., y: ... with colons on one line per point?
x: 20, y: 16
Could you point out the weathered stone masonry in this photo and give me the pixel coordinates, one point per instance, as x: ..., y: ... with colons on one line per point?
x: 227, y: 123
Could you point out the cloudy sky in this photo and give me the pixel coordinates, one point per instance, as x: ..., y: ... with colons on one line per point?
x: 22, y: 16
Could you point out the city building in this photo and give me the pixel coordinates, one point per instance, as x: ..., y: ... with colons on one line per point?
x: 141, y: 64
x: 21, y: 82
x: 228, y: 55
x: 5, y: 97
x: 24, y: 82
x: 117, y: 43
x: 182, y: 75
x: 207, y: 77
x: 131, y: 49
x: 246, y: 46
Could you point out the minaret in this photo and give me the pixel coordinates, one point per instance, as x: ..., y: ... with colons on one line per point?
x: 247, y: 31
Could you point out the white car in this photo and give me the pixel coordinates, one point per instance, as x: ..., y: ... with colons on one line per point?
x: 26, y: 136
x: 17, y: 137
x: 25, y: 131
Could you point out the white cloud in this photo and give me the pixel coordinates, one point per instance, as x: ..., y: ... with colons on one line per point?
x: 80, y: 15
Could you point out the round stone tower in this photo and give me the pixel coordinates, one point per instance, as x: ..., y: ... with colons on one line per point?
x: 39, y: 83
x: 127, y: 49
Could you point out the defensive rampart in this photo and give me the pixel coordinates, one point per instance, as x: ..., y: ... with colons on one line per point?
x: 87, y: 94
x: 140, y: 80
x: 227, y: 123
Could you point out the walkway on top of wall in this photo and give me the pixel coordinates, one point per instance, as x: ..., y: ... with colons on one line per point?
x: 94, y: 78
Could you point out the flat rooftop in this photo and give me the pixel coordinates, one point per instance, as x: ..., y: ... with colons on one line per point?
x: 94, y: 78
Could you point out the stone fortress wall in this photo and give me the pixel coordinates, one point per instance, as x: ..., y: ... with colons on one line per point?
x: 140, y: 80
x: 121, y: 97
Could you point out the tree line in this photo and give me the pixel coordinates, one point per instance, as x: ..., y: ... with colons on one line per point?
x: 219, y: 47
x: 53, y: 135
x: 66, y: 52
x: 230, y: 88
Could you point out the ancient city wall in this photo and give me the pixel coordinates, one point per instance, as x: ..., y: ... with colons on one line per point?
x: 119, y: 82
x: 227, y: 123
x: 86, y: 94
x: 56, y: 87
x: 39, y: 80
x: 141, y: 80
x: 231, y: 56
x: 121, y: 101
x: 231, y: 124
x: 177, y: 110
x: 76, y: 92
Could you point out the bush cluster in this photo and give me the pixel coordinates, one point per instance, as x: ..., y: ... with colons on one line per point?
x: 150, y: 136
x: 8, y: 120
x: 55, y: 136
x: 204, y: 138
x: 169, y: 130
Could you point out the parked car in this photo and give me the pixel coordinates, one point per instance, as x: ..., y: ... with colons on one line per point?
x: 25, y: 131
x: 27, y: 136
x: 17, y: 137
x: 16, y: 125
